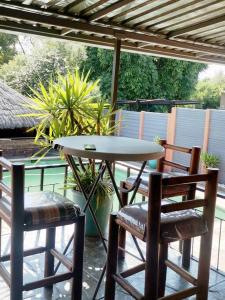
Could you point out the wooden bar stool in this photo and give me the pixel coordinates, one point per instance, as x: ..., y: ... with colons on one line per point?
x: 35, y: 211
x: 159, y: 222
x: 190, y: 169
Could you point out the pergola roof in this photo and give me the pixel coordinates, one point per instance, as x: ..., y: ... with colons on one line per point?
x: 185, y: 29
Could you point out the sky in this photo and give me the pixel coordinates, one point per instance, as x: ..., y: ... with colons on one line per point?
x: 212, y: 71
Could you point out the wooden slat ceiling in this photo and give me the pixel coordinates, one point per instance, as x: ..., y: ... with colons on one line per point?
x: 184, y: 29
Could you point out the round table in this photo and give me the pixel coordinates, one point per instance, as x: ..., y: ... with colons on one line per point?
x: 108, y: 149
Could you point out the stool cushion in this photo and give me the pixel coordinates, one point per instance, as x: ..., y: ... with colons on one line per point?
x: 145, y: 179
x: 178, y: 225
x: 44, y: 208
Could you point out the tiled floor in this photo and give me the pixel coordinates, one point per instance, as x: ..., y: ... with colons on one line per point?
x: 94, y: 261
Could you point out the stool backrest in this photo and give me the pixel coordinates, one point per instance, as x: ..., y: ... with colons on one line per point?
x: 159, y: 188
x: 194, y: 153
x: 15, y: 191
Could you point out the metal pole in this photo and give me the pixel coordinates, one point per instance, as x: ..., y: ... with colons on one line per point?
x: 115, y: 77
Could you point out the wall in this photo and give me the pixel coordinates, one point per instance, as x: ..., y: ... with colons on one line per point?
x: 23, y: 147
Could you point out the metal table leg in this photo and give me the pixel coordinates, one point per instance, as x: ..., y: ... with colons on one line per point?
x: 103, y: 167
x: 134, y: 189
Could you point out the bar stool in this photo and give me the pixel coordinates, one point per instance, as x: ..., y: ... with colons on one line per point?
x: 193, y: 154
x: 35, y: 211
x: 159, y: 222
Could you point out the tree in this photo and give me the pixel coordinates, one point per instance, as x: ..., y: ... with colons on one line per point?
x: 43, y: 63
x: 208, y: 92
x: 143, y: 76
x: 7, y: 47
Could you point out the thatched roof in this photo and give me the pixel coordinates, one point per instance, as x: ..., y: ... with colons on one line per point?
x: 12, y: 104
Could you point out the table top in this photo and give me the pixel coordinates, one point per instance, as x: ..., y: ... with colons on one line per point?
x: 110, y: 148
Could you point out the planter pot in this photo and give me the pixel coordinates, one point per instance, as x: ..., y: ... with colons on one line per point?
x: 152, y: 163
x: 101, y: 211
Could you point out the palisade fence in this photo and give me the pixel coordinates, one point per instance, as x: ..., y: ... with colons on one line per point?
x: 183, y: 126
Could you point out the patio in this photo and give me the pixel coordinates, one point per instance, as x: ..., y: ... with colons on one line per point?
x: 94, y: 259
x: 93, y: 262
x: 146, y: 27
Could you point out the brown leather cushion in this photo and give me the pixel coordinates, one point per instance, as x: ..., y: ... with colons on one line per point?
x: 44, y: 208
x: 178, y: 225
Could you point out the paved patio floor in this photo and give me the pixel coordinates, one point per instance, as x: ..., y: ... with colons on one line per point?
x: 94, y: 261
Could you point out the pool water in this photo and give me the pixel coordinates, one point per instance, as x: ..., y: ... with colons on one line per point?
x: 52, y: 177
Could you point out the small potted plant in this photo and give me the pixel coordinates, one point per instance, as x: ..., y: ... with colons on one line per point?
x: 209, y: 160
x: 71, y: 105
x: 153, y: 163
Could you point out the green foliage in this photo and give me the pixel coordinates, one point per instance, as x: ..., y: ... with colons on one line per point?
x: 209, y: 91
x: 138, y: 76
x: 7, y: 47
x: 87, y: 178
x: 69, y: 106
x: 43, y: 64
x: 209, y: 160
x: 143, y: 76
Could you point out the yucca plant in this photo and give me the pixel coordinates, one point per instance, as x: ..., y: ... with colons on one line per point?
x: 70, y: 106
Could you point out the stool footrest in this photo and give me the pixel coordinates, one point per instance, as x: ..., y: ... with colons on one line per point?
x: 5, y: 274
x: 28, y: 252
x: 47, y: 281
x: 128, y: 287
x: 182, y: 294
x: 133, y: 270
x: 62, y: 258
x: 183, y: 273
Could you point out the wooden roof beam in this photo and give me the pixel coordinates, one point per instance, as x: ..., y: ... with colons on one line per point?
x: 101, y: 13
x: 149, y: 11
x: 132, y: 8
x: 184, y: 10
x: 66, y: 23
x: 195, y: 27
x: 93, y: 6
x: 107, y: 43
x: 71, y: 5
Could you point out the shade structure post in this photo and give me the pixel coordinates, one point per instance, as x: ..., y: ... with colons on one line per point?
x: 115, y: 77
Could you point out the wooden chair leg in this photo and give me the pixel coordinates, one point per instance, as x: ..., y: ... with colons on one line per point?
x: 206, y: 239
x: 0, y: 237
x: 204, y: 268
x: 78, y: 254
x: 153, y: 237
x: 112, y: 254
x: 49, y: 258
x: 16, y: 288
x: 186, y: 254
x: 122, y: 232
x: 163, y: 255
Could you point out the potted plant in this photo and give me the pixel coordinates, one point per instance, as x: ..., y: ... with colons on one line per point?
x: 72, y: 105
x: 153, y: 163
x: 209, y: 160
